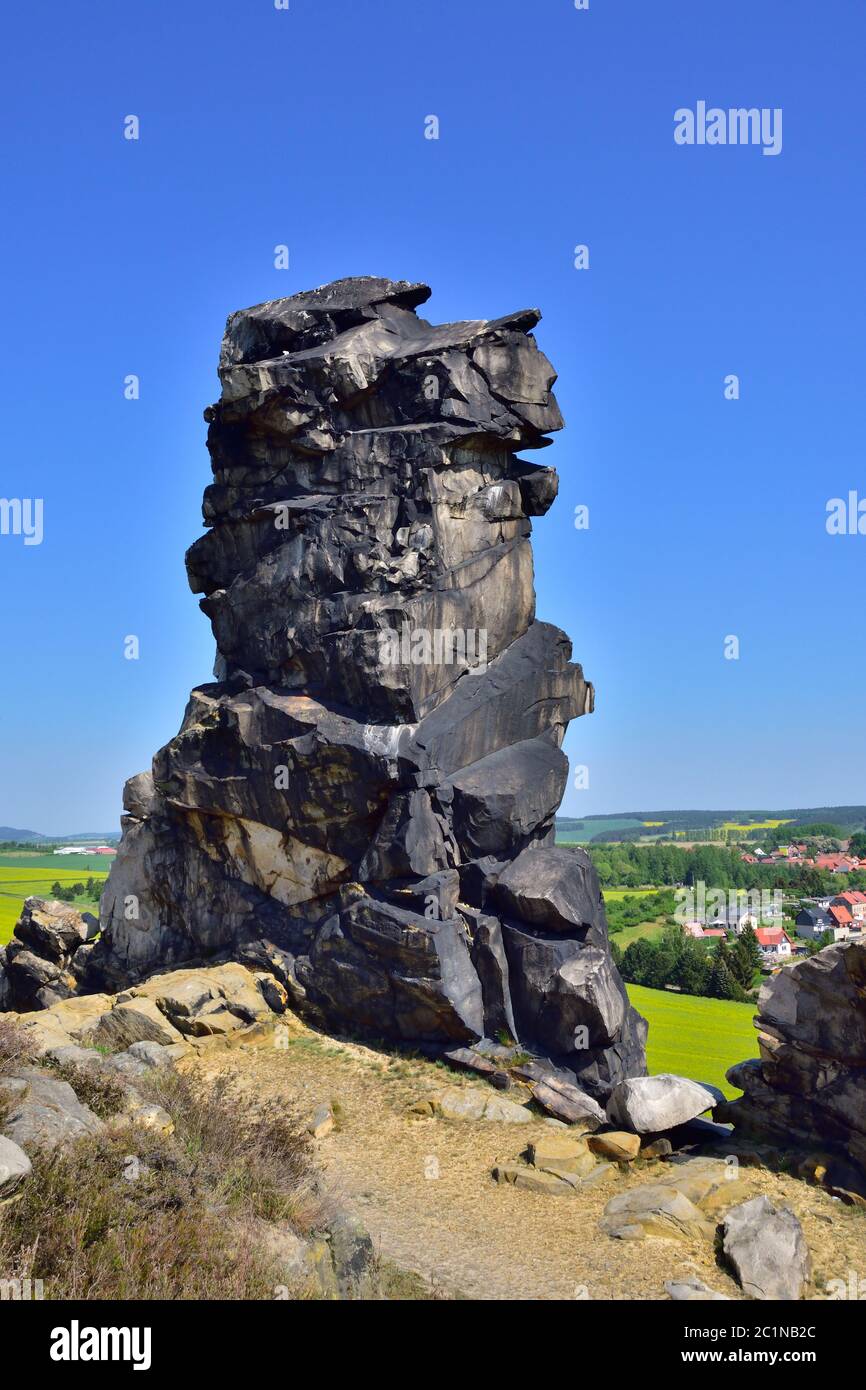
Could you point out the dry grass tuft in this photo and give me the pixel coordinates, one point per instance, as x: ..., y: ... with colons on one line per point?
x: 130, y: 1214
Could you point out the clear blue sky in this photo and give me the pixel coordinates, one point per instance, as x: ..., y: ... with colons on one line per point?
x: 259, y: 127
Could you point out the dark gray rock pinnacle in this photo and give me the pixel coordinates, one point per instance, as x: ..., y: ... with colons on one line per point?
x: 364, y: 799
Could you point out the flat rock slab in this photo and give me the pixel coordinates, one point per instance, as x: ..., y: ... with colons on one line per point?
x: 565, y: 1155
x: 47, y: 1112
x: 535, y: 1179
x: 651, y: 1104
x: 618, y: 1145
x: 472, y: 1103
x: 566, y: 1102
x: 693, y: 1291
x: 153, y: 1054
x: 711, y: 1183
x: 767, y: 1250
x: 655, y: 1211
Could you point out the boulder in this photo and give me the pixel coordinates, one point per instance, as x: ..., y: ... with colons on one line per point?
x: 649, y: 1104
x: 321, y: 1122
x: 154, y: 1055
x: 566, y: 1102
x: 565, y: 1155
x: 766, y: 1248
x: 377, y: 965
x: 15, y: 1166
x: 137, y: 1020
x: 656, y: 1148
x: 501, y: 801
x: 693, y: 1290
x: 472, y: 1103
x: 37, y: 968
x: 45, y: 1112
x: 555, y: 889
x: 75, y: 1056
x: 655, y: 1211
x: 535, y: 1180
x: 615, y: 1144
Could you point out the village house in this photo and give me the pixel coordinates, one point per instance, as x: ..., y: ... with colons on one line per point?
x: 855, y: 903
x: 774, y: 942
x: 842, y: 920
x: 814, y: 922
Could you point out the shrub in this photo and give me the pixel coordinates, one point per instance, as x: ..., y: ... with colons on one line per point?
x: 95, y: 1087
x: 16, y: 1044
x: 130, y: 1213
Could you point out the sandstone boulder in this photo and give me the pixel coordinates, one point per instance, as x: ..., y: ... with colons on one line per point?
x: 44, y: 1112
x: 649, y: 1104
x: 766, y: 1249
x: 15, y: 1166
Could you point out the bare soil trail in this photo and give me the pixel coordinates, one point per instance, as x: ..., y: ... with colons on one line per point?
x: 423, y: 1186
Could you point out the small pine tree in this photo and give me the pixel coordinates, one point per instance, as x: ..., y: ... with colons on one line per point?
x: 745, y: 958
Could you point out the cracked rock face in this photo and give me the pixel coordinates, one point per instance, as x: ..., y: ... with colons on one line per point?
x: 363, y: 801
x: 807, y: 1088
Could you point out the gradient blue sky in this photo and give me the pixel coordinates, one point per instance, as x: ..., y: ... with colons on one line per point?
x: 305, y: 127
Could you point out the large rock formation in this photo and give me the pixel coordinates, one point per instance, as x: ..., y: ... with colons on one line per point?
x: 363, y: 803
x: 808, y: 1088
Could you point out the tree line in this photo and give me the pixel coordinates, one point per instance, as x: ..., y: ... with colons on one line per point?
x: 727, y: 971
x: 634, y: 866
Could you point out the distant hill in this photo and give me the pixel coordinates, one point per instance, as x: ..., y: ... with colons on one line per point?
x: 703, y: 825
x: 9, y: 832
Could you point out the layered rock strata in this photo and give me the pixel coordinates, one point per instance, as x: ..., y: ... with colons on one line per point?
x: 363, y: 801
x: 808, y: 1087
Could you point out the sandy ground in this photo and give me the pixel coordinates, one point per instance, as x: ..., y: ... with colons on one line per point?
x: 423, y: 1187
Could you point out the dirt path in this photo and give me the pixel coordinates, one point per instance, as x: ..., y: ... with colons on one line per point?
x: 423, y: 1187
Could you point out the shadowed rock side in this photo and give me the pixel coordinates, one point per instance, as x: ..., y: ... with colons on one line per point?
x: 807, y: 1088
x: 363, y: 803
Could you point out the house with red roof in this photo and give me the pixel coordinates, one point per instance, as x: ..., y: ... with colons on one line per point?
x: 855, y: 903
x: 774, y: 942
x: 842, y: 921
x: 837, y: 863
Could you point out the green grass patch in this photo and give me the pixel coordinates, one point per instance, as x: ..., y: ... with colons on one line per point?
x: 698, y: 1038
x: 22, y: 877
x: 625, y: 937
x: 74, y: 863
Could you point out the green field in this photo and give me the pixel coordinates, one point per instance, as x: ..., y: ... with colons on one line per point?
x: 86, y: 863
x: 625, y: 937
x: 592, y: 825
x: 25, y: 876
x: 698, y: 1038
